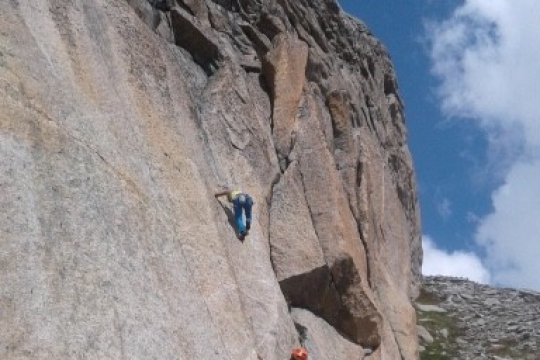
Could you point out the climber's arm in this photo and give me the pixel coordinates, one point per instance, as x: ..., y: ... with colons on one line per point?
x: 222, y: 192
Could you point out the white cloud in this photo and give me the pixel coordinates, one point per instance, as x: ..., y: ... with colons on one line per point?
x: 511, y: 234
x: 444, y: 208
x: 456, y: 263
x: 487, y: 56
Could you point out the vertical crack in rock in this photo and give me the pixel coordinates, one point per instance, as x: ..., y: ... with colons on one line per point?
x: 270, y: 202
x: 284, y: 69
x: 302, y: 333
x: 338, y: 103
x: 370, y: 265
x: 348, y: 164
x: 335, y: 294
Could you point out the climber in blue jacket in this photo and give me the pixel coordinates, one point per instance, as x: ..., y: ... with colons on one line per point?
x: 242, y: 202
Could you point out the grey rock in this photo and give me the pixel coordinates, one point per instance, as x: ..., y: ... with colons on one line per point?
x: 196, y: 39
x: 322, y: 340
x: 444, y: 333
x: 429, y: 308
x: 424, y: 335
x: 490, y: 320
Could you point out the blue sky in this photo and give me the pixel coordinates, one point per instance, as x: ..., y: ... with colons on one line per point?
x: 468, y: 74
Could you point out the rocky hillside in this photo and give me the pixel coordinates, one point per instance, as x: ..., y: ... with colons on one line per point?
x: 118, y: 120
x: 460, y: 319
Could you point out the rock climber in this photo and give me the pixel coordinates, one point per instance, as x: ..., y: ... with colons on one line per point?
x: 299, y: 354
x: 242, y: 202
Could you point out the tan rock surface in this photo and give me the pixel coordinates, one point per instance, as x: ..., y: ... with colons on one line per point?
x: 283, y: 68
x: 119, y: 118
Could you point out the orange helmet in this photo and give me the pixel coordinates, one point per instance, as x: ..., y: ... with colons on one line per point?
x: 299, y: 354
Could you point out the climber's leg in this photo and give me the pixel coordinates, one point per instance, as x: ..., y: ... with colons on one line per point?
x: 238, y: 216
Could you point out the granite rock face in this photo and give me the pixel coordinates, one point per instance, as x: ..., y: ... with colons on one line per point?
x: 117, y: 122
